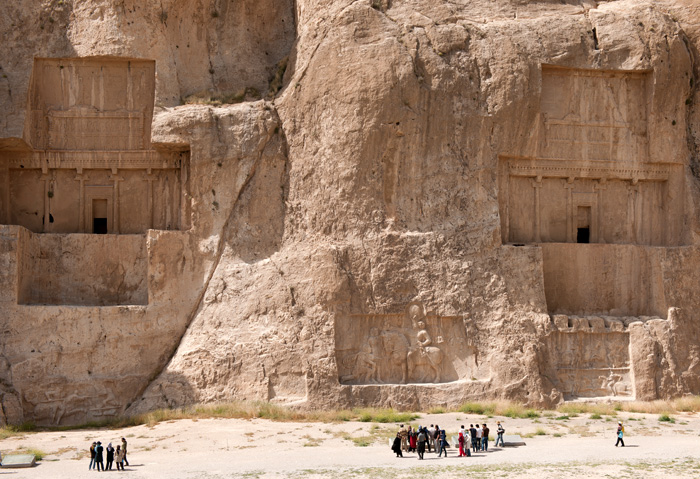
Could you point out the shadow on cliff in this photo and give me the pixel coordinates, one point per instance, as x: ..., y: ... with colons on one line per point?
x: 256, y: 227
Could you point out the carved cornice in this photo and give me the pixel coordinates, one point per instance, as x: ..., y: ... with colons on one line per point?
x: 608, y: 170
x: 137, y: 159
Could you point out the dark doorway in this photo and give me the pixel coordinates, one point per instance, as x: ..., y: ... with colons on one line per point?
x: 583, y: 235
x: 99, y: 216
x: 583, y: 224
x: 99, y: 226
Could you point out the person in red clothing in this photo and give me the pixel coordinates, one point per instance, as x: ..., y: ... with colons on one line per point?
x: 412, y: 440
x: 461, y: 442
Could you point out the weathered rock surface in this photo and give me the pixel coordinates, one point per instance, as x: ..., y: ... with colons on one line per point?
x: 356, y: 240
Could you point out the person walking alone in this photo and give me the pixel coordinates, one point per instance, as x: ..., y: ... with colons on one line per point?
x: 620, y: 433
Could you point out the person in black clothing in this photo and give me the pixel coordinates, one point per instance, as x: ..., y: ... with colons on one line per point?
x: 472, y: 433
x: 99, y: 459
x: 397, y: 445
x: 110, y: 456
x: 421, y: 440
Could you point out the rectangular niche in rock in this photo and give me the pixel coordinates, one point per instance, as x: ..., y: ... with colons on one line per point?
x: 590, y: 357
x: 410, y: 347
x: 586, y: 175
x: 90, y: 166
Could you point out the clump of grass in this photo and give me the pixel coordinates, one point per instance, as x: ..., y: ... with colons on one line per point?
x: 596, y: 416
x: 602, y: 409
x: 687, y: 404
x: 9, y: 430
x: 384, y: 415
x: 437, y: 410
x: 362, y: 441
x: 540, y: 432
x: 37, y: 453
x: 667, y: 418
x: 562, y: 418
x: 557, y: 434
x: 519, y: 411
x: 477, y: 408
x: 311, y: 441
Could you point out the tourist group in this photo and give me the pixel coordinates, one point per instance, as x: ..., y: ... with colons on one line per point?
x: 117, y: 456
x: 434, y: 438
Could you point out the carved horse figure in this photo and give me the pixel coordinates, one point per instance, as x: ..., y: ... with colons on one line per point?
x: 424, y: 354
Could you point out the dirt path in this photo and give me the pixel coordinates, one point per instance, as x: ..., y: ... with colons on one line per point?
x: 222, y: 448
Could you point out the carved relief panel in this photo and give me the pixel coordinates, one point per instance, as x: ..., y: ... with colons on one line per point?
x: 591, y: 357
x: 412, y: 347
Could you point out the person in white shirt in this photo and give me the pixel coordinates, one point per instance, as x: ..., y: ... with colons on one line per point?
x: 479, y: 433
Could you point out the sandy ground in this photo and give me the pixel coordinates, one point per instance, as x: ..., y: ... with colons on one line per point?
x: 223, y: 448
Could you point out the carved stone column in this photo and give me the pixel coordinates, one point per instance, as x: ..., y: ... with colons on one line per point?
x: 601, y: 186
x: 632, y: 211
x: 47, y: 181
x: 537, y: 185
x: 81, y: 200
x: 115, y: 200
x: 569, y: 185
x: 150, y: 177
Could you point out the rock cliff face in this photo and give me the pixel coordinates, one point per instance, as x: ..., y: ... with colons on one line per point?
x: 433, y: 202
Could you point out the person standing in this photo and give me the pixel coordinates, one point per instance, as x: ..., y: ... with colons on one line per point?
x: 436, y: 438
x: 472, y: 434
x: 620, y: 433
x: 431, y: 438
x: 110, y: 456
x: 126, y: 461
x: 119, y: 458
x: 499, y: 434
x: 403, y: 434
x: 412, y: 439
x: 396, y: 447
x: 421, y: 440
x: 99, y: 457
x: 485, y: 438
x: 461, y: 441
x: 92, y: 456
x: 479, y: 436
x: 442, y: 440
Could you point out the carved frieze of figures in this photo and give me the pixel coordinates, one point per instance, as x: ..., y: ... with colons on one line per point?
x: 412, y: 347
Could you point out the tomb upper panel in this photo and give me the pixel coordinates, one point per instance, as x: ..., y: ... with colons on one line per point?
x: 594, y: 115
x: 91, y: 103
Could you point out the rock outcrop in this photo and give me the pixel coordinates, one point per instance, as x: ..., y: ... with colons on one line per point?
x: 414, y: 203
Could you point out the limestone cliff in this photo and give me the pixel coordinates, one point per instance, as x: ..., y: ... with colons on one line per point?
x: 444, y: 201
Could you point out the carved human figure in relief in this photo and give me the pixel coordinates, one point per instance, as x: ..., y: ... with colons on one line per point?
x: 365, y: 366
x: 610, y: 382
x: 425, y: 353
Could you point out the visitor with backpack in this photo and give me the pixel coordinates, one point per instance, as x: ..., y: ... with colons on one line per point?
x: 620, y: 433
x: 499, y: 434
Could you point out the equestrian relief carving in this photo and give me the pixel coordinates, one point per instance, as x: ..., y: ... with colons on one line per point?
x: 413, y: 347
